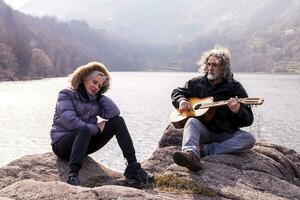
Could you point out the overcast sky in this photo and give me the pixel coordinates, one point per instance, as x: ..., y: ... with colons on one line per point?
x: 16, y: 4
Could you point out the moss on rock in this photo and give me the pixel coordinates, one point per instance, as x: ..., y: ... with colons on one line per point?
x: 178, y: 184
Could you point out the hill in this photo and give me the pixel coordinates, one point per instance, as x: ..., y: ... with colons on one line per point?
x: 263, y: 36
x: 264, y: 40
x: 45, y: 47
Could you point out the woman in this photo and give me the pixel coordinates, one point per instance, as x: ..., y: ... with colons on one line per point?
x: 75, y: 131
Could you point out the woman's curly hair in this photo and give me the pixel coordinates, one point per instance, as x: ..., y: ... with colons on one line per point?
x: 223, y: 55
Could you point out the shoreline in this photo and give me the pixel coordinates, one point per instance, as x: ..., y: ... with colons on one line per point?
x: 175, y: 72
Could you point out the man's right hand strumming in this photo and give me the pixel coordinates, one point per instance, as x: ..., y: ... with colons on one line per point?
x: 184, y: 105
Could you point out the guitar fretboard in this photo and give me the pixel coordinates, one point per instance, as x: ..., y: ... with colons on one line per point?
x: 247, y: 101
x: 214, y: 104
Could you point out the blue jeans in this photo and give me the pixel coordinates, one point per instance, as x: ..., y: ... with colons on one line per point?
x: 195, y: 133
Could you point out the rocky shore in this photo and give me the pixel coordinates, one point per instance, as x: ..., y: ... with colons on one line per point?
x: 268, y: 171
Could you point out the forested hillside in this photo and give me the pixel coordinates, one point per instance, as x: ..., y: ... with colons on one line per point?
x: 44, y: 47
x: 263, y: 36
x: 266, y: 41
x: 169, y: 35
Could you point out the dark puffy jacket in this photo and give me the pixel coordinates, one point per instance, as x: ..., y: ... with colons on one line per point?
x: 224, y: 119
x: 73, y: 111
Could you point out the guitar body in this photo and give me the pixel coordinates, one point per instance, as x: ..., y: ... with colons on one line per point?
x: 179, y: 119
x: 204, y: 109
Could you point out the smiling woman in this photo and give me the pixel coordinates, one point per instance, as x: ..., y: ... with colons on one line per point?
x: 76, y: 132
x: 16, y: 4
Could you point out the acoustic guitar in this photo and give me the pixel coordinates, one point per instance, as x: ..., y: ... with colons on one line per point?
x: 204, y: 109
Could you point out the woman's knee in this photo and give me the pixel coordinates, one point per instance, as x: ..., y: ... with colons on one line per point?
x: 117, y: 120
x: 115, y: 124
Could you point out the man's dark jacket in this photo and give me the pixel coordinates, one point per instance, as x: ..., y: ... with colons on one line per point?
x: 224, y: 119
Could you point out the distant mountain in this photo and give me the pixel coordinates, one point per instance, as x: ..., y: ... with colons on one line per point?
x: 268, y: 40
x: 171, y: 34
x: 151, y: 21
x: 263, y: 36
x: 44, y: 47
x: 140, y: 20
x: 161, y: 21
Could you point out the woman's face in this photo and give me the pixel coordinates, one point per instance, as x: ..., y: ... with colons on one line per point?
x: 93, y: 84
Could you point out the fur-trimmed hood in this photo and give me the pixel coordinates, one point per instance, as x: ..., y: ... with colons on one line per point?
x: 83, y: 71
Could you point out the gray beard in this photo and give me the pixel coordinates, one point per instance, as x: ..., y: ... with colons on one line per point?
x: 211, y: 77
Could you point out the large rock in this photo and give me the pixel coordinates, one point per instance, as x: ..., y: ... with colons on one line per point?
x: 267, y: 171
x: 47, y: 167
x: 43, y: 176
x: 31, y: 189
x: 171, y: 137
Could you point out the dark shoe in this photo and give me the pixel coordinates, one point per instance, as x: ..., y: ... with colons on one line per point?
x: 73, y: 180
x: 187, y: 159
x: 135, y: 174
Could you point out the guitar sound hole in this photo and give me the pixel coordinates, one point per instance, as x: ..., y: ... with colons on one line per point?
x: 197, y: 106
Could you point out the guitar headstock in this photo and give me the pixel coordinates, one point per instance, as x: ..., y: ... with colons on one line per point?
x: 252, y: 101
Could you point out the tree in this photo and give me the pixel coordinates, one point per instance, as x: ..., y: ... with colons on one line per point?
x: 40, y: 64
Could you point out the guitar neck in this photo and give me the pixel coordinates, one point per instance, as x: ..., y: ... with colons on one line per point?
x: 246, y: 101
x: 214, y: 104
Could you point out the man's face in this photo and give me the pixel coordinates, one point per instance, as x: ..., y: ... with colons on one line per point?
x: 214, y: 73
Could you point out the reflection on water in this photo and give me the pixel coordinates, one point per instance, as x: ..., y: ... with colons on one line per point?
x: 26, y: 111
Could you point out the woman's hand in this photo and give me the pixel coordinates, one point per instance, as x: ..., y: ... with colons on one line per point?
x: 101, y: 125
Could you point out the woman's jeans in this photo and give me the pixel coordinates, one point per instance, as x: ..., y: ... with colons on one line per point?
x: 76, y: 145
x: 195, y: 133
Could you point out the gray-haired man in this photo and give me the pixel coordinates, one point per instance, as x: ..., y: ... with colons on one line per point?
x: 222, y: 134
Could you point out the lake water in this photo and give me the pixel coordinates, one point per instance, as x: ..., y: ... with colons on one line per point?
x: 26, y: 111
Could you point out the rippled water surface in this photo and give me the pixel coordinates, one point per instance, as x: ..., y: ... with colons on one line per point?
x: 26, y: 111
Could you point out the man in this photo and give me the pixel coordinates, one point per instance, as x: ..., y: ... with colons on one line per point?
x: 222, y: 134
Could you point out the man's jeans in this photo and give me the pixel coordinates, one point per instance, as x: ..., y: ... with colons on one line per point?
x: 195, y: 133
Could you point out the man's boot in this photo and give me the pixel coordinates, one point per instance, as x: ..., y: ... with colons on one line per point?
x: 187, y: 159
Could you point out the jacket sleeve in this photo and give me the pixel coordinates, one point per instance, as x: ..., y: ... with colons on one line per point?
x: 244, y: 117
x: 108, y: 108
x: 68, y: 115
x: 183, y: 93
